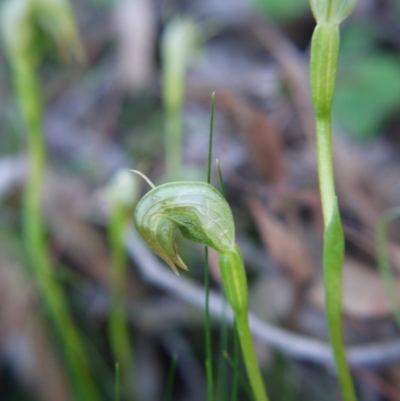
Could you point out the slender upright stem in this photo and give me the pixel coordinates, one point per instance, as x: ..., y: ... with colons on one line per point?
x: 323, y: 65
x: 51, y: 292
x: 324, y: 55
x: 235, y: 284
x: 173, y: 142
x: 235, y: 381
x: 179, y: 42
x: 118, y: 329
x: 325, y: 166
x: 171, y: 379
x: 249, y: 356
x: 207, y: 326
x: 207, y: 331
x: 117, y: 388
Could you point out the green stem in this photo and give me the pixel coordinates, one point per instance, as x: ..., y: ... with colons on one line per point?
x: 222, y: 381
x: 51, y: 292
x: 207, y: 332
x: 333, y: 257
x: 173, y: 144
x: 235, y: 367
x: 207, y: 326
x: 325, y: 166
x: 118, y: 328
x: 235, y: 284
x: 117, y: 388
x: 249, y: 356
x: 171, y: 379
x: 323, y: 65
x: 324, y: 56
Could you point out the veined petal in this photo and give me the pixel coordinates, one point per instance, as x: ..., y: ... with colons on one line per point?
x: 197, y: 209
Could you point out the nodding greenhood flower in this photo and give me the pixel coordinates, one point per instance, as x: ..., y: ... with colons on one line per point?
x: 20, y: 18
x: 202, y: 215
x: 332, y: 12
x: 196, y: 209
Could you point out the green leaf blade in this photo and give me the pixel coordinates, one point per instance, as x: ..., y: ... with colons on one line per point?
x: 333, y: 258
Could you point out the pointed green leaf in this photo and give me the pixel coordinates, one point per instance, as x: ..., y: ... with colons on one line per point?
x: 333, y: 257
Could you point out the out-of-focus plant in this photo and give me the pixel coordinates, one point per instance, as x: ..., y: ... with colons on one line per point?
x: 323, y: 65
x: 180, y: 42
x: 21, y: 21
x: 282, y: 10
x: 381, y: 240
x: 202, y: 215
x: 122, y: 192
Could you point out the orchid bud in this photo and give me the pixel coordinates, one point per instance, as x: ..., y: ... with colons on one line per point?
x: 332, y: 12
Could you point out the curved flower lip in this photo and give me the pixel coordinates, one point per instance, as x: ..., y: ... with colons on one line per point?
x: 196, y: 209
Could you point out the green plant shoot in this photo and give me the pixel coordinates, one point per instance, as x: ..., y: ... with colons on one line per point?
x: 122, y: 192
x: 180, y: 43
x: 19, y: 22
x: 323, y: 65
x: 207, y: 323
x: 202, y: 215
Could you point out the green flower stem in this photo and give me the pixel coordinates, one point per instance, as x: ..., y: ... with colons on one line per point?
x: 333, y: 256
x: 179, y: 43
x: 249, y: 356
x: 18, y: 25
x: 118, y: 329
x: 323, y: 65
x: 173, y: 144
x: 50, y: 290
x: 324, y: 55
x: 325, y: 167
x: 207, y: 325
x: 235, y: 284
x: 117, y: 389
x: 207, y: 331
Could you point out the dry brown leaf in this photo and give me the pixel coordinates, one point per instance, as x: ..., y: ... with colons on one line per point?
x: 364, y: 295
x: 135, y: 24
x: 259, y: 134
x: 284, y: 245
x: 24, y: 338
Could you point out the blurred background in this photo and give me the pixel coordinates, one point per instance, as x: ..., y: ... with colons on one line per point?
x: 140, y: 99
